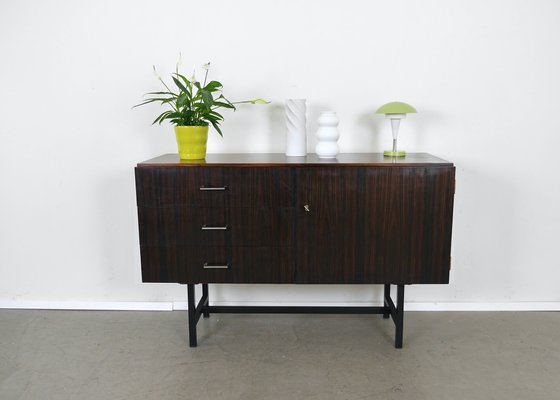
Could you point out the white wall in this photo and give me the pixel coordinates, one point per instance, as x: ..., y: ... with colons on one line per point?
x: 483, y: 75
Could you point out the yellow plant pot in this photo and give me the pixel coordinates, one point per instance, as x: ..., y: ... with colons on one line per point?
x: 191, y: 141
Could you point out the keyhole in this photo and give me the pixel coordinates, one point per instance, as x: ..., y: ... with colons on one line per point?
x: 306, y: 207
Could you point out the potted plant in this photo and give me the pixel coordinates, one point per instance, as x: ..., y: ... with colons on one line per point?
x: 192, y: 107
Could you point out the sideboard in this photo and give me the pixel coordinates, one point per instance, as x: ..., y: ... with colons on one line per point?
x: 271, y: 219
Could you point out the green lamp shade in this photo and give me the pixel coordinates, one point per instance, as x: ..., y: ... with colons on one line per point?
x: 396, y: 107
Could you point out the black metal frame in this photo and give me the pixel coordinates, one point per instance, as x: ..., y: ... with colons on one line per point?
x: 204, y: 308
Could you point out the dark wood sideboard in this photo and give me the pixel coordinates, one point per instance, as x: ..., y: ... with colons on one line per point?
x: 268, y: 218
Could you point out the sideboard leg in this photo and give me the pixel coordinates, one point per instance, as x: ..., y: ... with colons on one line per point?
x: 192, y: 315
x: 205, y: 312
x: 399, y: 321
x: 386, y: 297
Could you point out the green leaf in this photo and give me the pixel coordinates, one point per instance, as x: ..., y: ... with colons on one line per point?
x: 215, y: 114
x: 184, y: 79
x: 188, y: 85
x: 175, y: 114
x: 217, y: 128
x: 212, y: 118
x: 224, y: 105
x: 143, y: 103
x: 182, y: 100
x: 163, y: 101
x: 207, y: 98
x: 162, y: 117
x: 213, y: 86
x: 222, y: 97
x: 179, y: 84
x: 156, y: 120
x: 158, y: 93
x: 200, y: 106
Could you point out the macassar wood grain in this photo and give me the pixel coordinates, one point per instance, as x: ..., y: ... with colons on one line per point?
x: 185, y: 264
x: 367, y: 223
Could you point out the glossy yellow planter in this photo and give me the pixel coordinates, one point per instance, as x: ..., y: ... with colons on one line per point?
x: 191, y: 141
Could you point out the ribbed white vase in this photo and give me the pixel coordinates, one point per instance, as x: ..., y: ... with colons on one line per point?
x: 327, y: 135
x: 296, y: 136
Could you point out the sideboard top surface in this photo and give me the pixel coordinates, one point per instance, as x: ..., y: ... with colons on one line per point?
x: 278, y: 159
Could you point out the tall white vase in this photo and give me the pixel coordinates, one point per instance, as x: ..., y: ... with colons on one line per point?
x: 296, y: 136
x: 327, y: 135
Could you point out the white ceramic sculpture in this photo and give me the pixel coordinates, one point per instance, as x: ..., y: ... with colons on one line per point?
x: 296, y: 136
x: 327, y: 135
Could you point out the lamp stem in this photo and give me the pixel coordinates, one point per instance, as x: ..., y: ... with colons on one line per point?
x: 395, y: 123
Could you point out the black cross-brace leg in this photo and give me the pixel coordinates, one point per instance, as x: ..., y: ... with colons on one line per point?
x: 386, y: 295
x: 205, y: 312
x: 388, y: 309
x: 196, y: 310
x: 397, y: 313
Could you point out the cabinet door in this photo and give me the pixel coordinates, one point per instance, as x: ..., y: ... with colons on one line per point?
x: 374, y: 224
x: 407, y: 224
x: 328, y: 241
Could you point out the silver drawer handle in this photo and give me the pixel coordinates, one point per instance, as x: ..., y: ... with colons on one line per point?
x: 214, y: 228
x: 214, y: 266
x: 213, y: 188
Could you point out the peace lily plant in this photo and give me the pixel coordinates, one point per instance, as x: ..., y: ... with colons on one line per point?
x: 192, y: 107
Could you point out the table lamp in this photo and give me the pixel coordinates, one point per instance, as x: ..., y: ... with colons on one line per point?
x: 395, y: 111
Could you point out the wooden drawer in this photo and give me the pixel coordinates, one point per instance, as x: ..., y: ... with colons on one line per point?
x: 260, y: 187
x: 159, y: 187
x: 214, y: 187
x: 244, y: 226
x: 193, y: 264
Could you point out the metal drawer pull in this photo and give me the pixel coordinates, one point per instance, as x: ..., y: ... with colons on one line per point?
x: 215, y: 189
x: 214, y: 266
x: 214, y: 228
